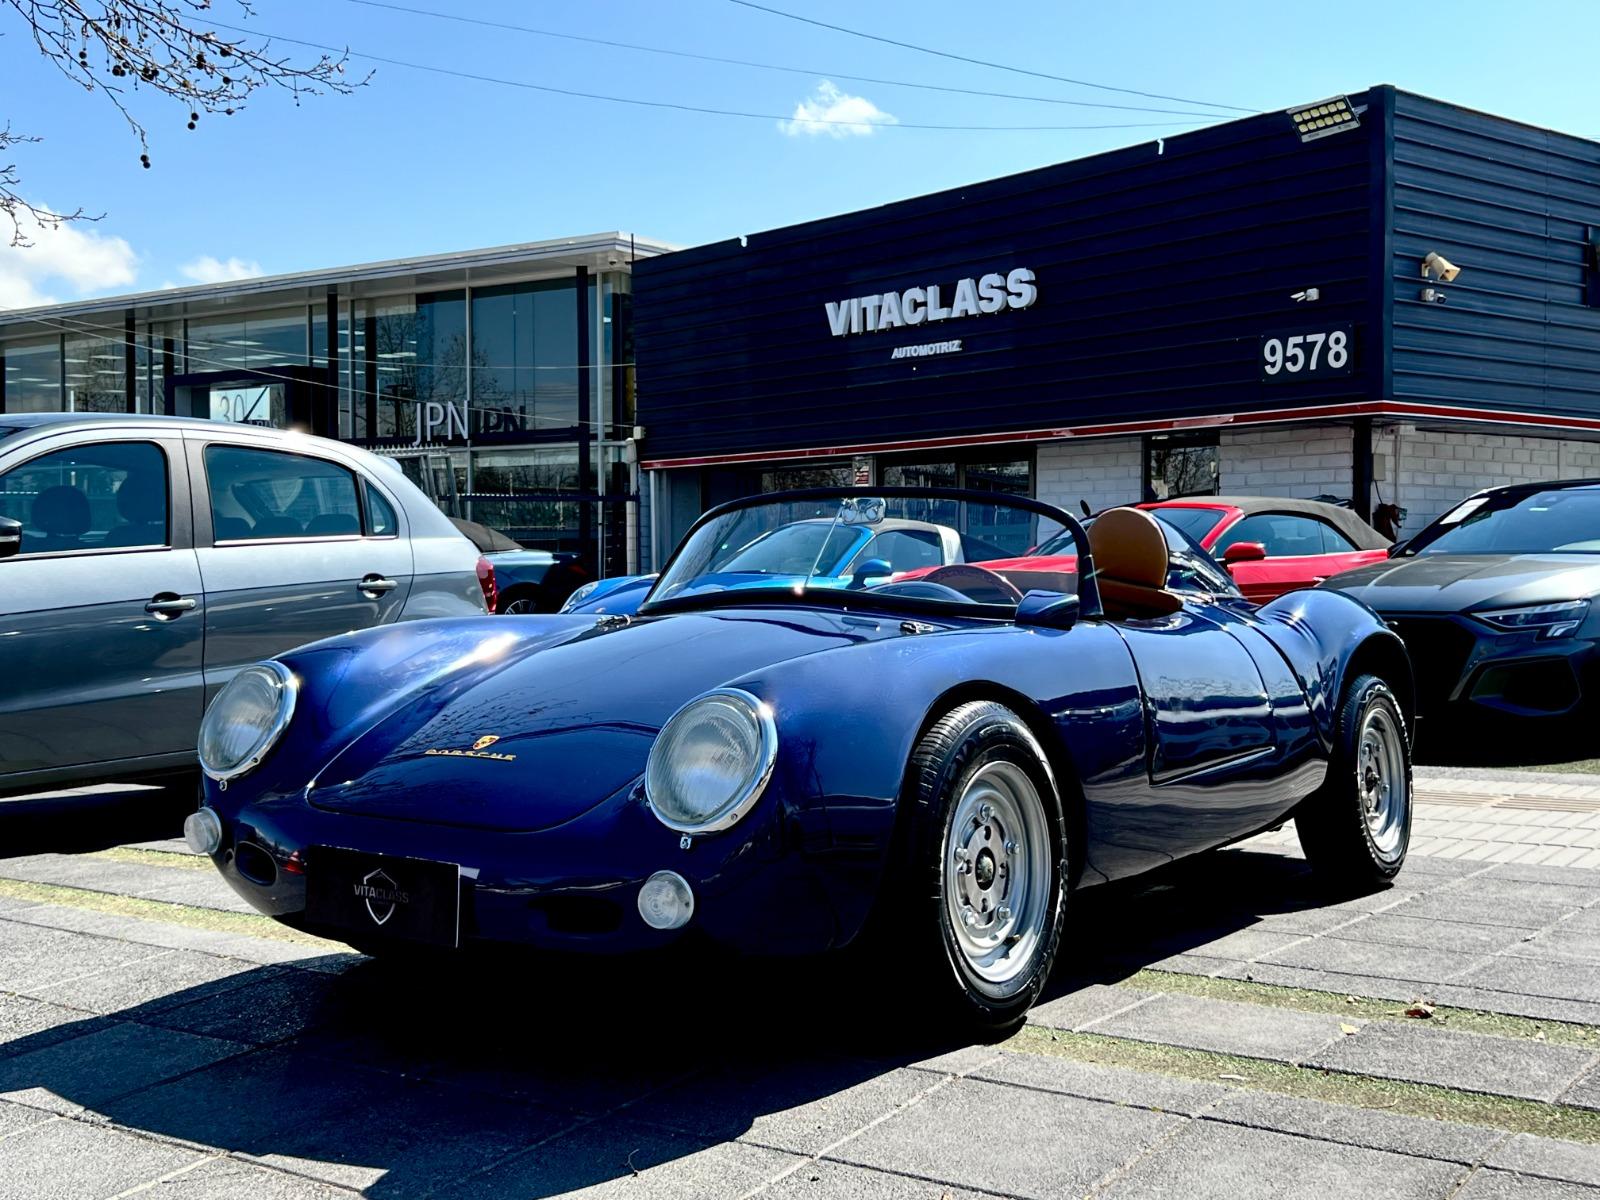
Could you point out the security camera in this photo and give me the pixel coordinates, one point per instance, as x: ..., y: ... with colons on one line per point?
x: 1439, y: 267
x: 612, y: 261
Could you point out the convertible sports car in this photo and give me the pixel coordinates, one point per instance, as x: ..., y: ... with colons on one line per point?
x: 926, y: 767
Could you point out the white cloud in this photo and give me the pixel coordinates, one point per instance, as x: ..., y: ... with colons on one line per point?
x: 852, y: 116
x: 210, y: 269
x: 75, y: 258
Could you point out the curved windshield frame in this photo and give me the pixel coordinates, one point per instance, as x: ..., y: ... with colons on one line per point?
x: 1538, y: 520
x: 788, y: 546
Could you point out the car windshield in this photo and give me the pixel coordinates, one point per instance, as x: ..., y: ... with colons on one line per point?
x: 906, y: 543
x: 1552, y: 521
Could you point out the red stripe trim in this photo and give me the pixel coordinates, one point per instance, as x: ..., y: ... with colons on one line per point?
x: 1374, y: 408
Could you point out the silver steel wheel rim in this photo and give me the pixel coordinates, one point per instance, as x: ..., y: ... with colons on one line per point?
x: 997, y: 874
x: 517, y: 608
x: 1381, y: 779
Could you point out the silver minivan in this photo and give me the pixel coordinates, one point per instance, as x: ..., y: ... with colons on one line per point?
x: 144, y: 560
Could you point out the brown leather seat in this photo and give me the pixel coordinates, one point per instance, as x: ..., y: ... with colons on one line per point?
x: 1130, y: 564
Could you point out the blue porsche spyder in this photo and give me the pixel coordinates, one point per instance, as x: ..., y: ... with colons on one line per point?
x: 929, y: 766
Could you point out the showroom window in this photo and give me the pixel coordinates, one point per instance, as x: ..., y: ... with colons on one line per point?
x: 524, y: 359
x: 528, y: 493
x: 33, y: 376
x: 1178, y: 465
x: 96, y: 368
x: 408, y: 351
x: 263, y: 339
x: 269, y: 494
x: 88, y: 498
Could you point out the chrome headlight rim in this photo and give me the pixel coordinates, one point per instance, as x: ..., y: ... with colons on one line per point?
x: 288, y: 691
x: 738, y: 807
x: 579, y: 594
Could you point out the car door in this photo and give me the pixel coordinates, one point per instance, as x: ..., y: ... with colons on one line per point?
x: 101, y: 609
x: 293, y: 547
x: 1301, y: 552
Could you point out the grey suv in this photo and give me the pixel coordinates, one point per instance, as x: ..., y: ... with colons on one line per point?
x: 144, y: 560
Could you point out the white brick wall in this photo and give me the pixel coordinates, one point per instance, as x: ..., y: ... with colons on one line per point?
x: 1298, y: 461
x: 1101, y: 471
x: 1430, y: 469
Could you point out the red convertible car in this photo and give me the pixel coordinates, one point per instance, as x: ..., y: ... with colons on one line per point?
x: 1271, y: 545
x: 1268, y: 544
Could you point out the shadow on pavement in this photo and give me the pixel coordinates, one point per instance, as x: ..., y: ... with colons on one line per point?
x: 83, y: 820
x: 532, y: 1077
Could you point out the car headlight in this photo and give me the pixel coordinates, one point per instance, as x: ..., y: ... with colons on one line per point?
x: 579, y: 596
x: 246, y: 720
x: 1551, y: 620
x: 711, y: 761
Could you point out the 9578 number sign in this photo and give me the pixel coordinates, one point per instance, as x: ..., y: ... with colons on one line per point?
x: 1307, y: 354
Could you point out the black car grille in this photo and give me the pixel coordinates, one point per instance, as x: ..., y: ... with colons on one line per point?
x: 1439, y: 649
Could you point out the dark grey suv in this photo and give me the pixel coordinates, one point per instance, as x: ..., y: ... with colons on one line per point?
x: 144, y: 560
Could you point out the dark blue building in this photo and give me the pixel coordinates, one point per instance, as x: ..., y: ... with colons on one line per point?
x: 1393, y: 301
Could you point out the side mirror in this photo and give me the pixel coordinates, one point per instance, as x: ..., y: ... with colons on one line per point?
x: 1051, y: 610
x: 1243, y: 552
x: 873, y: 568
x: 1399, y: 548
x: 10, y: 537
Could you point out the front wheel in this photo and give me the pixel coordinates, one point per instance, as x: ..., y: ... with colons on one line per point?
x: 986, y: 876
x: 1356, y: 828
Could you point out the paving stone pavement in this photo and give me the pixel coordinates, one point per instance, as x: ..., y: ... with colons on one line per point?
x: 176, y: 1049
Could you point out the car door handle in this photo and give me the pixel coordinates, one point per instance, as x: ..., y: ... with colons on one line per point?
x: 169, y: 605
x: 376, y: 585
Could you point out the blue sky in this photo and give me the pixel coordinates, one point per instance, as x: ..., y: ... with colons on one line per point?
x: 418, y: 163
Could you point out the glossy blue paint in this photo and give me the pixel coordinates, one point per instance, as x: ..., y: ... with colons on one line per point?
x: 1165, y: 737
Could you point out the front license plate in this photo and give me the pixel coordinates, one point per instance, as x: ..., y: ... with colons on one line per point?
x: 407, y: 899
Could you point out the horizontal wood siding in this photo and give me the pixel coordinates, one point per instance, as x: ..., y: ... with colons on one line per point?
x: 1158, y: 274
x: 1511, y: 206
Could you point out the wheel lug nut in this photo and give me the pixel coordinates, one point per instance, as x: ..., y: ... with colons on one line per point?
x: 985, y: 812
x: 968, y: 917
x: 961, y: 854
x: 1011, y: 846
x: 1003, y: 913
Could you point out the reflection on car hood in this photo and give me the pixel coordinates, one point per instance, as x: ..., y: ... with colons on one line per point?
x: 572, y: 723
x: 1458, y: 582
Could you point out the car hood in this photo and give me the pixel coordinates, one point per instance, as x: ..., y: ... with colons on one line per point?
x: 1461, y: 582
x: 558, y: 730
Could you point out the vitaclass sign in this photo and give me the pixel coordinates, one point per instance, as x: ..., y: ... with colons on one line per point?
x: 991, y: 293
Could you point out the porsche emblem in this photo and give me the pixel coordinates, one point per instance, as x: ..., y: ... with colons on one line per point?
x: 381, y: 895
x: 480, y: 749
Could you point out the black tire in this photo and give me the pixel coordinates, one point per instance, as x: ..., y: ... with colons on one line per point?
x: 977, y: 746
x: 528, y: 596
x: 1347, y: 846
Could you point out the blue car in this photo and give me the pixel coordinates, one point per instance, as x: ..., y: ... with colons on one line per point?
x: 813, y: 549
x: 927, y: 767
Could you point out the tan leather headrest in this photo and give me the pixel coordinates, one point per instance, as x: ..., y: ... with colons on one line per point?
x: 1127, y: 546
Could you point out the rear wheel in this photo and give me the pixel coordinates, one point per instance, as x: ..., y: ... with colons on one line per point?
x: 1357, y: 827
x: 520, y: 602
x: 984, y: 882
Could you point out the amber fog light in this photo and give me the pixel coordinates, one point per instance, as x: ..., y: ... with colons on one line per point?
x: 666, y: 901
x: 202, y: 831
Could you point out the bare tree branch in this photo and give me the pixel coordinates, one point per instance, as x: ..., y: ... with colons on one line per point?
x: 124, y: 48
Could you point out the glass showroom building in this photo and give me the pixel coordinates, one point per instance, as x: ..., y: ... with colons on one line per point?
x: 501, y: 379
x: 1379, y: 298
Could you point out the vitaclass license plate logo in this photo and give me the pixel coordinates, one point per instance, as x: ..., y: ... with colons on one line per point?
x: 381, y: 895
x: 479, y: 749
